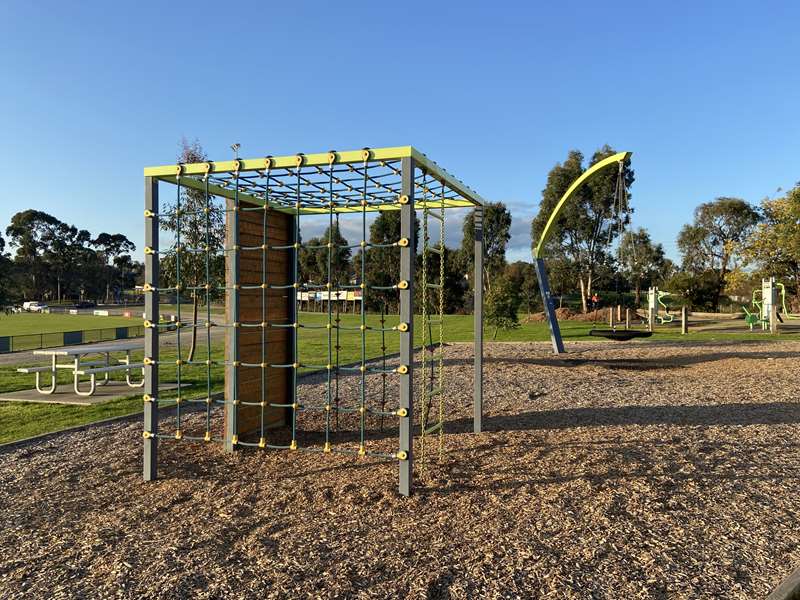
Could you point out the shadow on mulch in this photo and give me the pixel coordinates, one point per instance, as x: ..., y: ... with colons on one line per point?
x: 631, y: 364
x: 770, y: 413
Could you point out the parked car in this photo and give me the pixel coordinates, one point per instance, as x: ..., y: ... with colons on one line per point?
x: 85, y: 304
x: 34, y: 306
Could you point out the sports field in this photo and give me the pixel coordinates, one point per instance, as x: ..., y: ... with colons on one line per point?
x: 19, y: 420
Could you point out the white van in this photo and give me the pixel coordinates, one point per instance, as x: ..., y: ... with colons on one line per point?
x: 33, y: 306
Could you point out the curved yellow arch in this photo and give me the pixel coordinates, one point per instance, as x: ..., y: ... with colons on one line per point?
x: 588, y: 174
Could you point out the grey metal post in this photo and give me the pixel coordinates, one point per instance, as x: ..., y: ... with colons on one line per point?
x: 547, y: 301
x: 407, y: 252
x: 151, y: 276
x: 684, y: 320
x: 232, y: 331
x: 477, y: 404
x: 768, y: 286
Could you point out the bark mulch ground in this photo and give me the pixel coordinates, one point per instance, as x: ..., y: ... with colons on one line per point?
x: 617, y: 471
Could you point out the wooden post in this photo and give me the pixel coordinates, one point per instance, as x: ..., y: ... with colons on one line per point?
x: 619, y: 313
x: 611, y: 317
x: 627, y: 318
x: 684, y: 320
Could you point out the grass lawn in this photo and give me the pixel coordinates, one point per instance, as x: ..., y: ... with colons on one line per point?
x: 35, y: 323
x: 19, y: 420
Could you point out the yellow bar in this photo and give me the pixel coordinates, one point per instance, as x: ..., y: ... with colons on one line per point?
x: 281, y: 162
x: 588, y: 174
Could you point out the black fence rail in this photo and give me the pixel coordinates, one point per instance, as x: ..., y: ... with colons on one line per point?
x: 37, y: 341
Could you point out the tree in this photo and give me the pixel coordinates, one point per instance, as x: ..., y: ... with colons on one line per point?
x: 502, y: 305
x: 382, y: 264
x: 774, y: 244
x: 587, y: 225
x: 714, y: 241
x: 642, y: 261
x: 112, y: 246
x: 496, y: 233
x: 523, y: 278
x: 314, y: 260
x: 195, y: 233
x: 6, y: 275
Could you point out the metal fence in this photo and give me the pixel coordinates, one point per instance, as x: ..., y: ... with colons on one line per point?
x: 36, y: 341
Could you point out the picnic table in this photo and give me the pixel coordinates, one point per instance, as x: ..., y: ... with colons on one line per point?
x: 101, y: 364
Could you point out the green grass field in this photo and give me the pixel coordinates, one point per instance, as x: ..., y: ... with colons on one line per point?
x: 20, y: 420
x: 35, y: 323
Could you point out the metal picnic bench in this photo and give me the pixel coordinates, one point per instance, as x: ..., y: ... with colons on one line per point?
x: 82, y: 368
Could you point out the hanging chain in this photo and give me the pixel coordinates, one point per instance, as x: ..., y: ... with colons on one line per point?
x: 425, y: 323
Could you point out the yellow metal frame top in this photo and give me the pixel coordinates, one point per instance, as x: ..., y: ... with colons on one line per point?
x: 448, y: 192
x: 615, y: 159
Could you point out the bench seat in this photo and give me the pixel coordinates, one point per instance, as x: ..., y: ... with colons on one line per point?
x: 109, y: 369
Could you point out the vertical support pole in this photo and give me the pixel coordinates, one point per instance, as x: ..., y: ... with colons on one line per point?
x: 652, y: 307
x: 477, y: 404
x: 627, y: 318
x: 151, y: 276
x: 407, y: 259
x: 547, y: 302
x: 773, y: 304
x: 619, y: 313
x: 611, y: 321
x: 684, y: 320
x: 232, y: 318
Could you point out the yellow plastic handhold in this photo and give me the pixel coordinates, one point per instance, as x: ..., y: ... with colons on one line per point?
x: 402, y: 412
x: 207, y: 436
x: 236, y: 363
x: 402, y: 369
x: 327, y: 447
x: 149, y: 250
x: 402, y: 199
x: 262, y: 443
x: 147, y: 398
x: 264, y: 365
x: 178, y: 434
x: 402, y: 455
x: 362, y: 450
x: 293, y: 445
x: 148, y: 324
x: 148, y: 361
x: 403, y: 284
x: 234, y: 439
x: 402, y: 327
x: 402, y: 242
x: 149, y: 213
x: 147, y: 435
x: 180, y: 362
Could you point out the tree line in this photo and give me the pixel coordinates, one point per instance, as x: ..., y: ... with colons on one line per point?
x: 724, y: 251
x: 57, y: 262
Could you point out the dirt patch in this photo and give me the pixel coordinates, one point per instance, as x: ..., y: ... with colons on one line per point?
x: 617, y: 471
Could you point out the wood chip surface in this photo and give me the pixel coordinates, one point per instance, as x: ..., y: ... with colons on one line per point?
x: 631, y: 471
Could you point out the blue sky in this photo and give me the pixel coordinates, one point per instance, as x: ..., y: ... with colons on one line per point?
x: 705, y: 94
